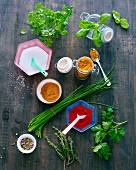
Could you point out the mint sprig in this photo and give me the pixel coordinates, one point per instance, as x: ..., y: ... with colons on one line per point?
x: 107, y: 128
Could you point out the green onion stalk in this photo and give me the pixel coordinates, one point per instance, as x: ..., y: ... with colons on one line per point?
x: 37, y: 123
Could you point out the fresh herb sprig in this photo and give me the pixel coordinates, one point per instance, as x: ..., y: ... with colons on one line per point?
x: 122, y: 21
x: 48, y: 24
x: 86, y: 26
x: 66, y: 151
x: 23, y: 32
x: 107, y: 128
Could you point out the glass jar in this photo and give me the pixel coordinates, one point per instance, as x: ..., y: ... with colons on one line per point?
x: 84, y: 67
x: 106, y: 32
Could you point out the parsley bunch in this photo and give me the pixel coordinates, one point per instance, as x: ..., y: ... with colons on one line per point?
x: 48, y: 24
x: 107, y: 128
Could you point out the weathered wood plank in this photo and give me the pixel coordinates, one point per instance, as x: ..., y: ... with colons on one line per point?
x: 19, y: 104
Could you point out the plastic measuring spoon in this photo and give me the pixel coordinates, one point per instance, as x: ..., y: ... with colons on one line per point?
x: 98, y: 62
x: 34, y: 64
x: 65, y: 131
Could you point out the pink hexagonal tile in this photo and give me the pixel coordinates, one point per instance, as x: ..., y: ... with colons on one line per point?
x: 32, y: 49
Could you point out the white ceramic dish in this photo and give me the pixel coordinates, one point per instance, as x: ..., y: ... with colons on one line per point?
x: 64, y: 65
x: 40, y: 85
x: 19, y: 143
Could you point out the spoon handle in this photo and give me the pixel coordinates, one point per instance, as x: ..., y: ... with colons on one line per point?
x: 65, y: 131
x: 104, y: 75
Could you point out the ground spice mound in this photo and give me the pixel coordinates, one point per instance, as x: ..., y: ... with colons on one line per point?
x: 94, y: 54
x: 50, y: 92
x: 85, y: 64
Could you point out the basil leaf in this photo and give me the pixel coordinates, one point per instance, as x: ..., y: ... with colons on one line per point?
x: 87, y: 24
x: 116, y: 16
x: 23, y: 32
x: 104, y: 18
x: 96, y: 37
x: 82, y: 33
x: 124, y: 23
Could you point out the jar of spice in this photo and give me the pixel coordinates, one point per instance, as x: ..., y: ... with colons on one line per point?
x: 84, y: 67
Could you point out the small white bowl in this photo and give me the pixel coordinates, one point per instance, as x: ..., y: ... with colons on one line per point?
x: 19, y: 143
x: 40, y: 85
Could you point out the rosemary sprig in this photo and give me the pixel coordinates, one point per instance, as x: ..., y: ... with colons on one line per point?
x: 66, y: 153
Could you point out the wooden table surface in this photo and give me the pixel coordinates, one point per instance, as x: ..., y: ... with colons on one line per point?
x: 19, y: 104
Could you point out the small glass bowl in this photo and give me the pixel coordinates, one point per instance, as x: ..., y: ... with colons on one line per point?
x: 86, y: 105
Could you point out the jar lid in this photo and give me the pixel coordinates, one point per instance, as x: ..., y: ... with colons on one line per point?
x: 64, y: 65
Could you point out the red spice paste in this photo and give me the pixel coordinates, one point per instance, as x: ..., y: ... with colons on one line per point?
x: 80, y: 110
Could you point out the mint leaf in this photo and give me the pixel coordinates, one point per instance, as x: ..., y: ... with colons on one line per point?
x: 104, y: 18
x: 82, y: 33
x: 124, y: 23
x: 23, y: 32
x: 96, y: 37
x: 116, y: 16
x: 87, y: 24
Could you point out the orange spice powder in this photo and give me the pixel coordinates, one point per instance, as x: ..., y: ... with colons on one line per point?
x: 50, y: 92
x: 94, y: 54
x: 85, y: 64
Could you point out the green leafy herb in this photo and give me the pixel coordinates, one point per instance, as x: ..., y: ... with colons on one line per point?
x: 123, y: 21
x: 107, y: 128
x: 104, y: 18
x: 48, y: 24
x: 23, y: 31
x: 116, y: 16
x: 96, y: 37
x: 82, y: 33
x: 86, y: 26
x: 104, y: 152
x: 66, y: 151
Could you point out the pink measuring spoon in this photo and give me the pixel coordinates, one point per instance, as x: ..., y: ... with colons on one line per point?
x: 65, y: 131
